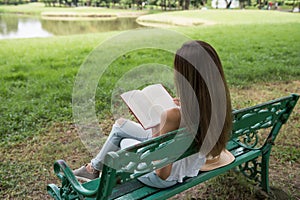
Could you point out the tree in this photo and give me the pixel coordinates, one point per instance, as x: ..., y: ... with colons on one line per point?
x: 228, y: 4
x: 186, y: 4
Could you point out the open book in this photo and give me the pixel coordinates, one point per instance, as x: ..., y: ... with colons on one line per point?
x: 148, y: 104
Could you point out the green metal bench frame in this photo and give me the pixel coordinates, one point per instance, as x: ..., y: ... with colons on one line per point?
x: 254, y: 132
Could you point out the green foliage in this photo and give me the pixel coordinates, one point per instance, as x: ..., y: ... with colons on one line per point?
x: 292, y: 3
x: 126, y: 3
x: 13, y: 2
x: 38, y: 8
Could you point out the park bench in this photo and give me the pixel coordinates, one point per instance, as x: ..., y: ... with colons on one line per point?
x: 254, y: 132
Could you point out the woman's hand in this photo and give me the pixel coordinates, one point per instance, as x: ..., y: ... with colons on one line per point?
x: 176, y: 101
x: 156, y: 131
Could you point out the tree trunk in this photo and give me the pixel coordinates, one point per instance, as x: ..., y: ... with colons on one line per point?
x: 228, y: 4
x: 186, y: 4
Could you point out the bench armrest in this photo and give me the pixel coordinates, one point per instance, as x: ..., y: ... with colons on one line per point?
x: 69, y: 180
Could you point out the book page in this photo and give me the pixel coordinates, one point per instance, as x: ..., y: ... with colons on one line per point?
x: 158, y: 95
x: 142, y: 108
x: 147, y: 105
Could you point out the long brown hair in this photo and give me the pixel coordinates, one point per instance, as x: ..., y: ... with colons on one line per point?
x: 193, y: 65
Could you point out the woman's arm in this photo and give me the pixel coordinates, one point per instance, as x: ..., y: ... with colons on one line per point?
x: 172, y: 113
x: 170, y: 121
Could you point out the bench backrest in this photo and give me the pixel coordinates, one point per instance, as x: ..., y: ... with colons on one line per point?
x: 145, y: 157
x: 132, y: 162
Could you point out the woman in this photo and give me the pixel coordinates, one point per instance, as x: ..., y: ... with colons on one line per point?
x: 195, y: 79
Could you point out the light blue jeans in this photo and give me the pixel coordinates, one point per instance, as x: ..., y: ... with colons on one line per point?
x: 126, y: 129
x: 122, y: 129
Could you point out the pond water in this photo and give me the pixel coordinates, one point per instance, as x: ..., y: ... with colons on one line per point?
x: 18, y: 26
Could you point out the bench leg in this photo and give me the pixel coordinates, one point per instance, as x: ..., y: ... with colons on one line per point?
x: 53, y: 191
x: 258, y: 170
x: 265, y: 171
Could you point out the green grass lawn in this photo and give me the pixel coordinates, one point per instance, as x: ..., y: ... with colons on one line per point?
x: 225, y: 17
x: 37, y: 75
x: 235, y: 17
x: 37, y: 78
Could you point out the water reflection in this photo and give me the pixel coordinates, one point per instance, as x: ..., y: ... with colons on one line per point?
x: 20, y: 27
x: 17, y: 26
x: 92, y: 26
